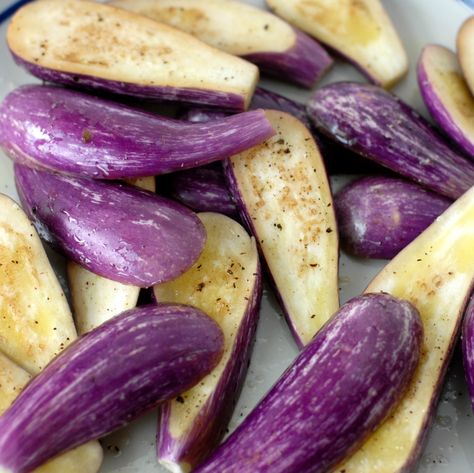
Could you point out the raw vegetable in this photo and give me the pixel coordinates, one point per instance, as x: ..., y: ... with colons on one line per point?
x: 379, y: 216
x: 468, y: 348
x: 89, y: 136
x: 340, y: 387
x: 84, y: 459
x: 379, y: 126
x: 108, y: 377
x: 95, y: 46
x: 464, y: 49
x: 242, y: 30
x: 360, y: 30
x: 283, y: 194
x: 435, y: 273
x: 447, y: 95
x: 114, y: 230
x: 225, y: 282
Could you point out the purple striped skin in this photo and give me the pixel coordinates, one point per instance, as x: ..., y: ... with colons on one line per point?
x: 379, y: 216
x: 380, y: 127
x: 340, y: 387
x: 468, y: 348
x: 219, y: 408
x: 304, y: 64
x: 211, y: 98
x: 114, y: 230
x: 202, y: 189
x: 88, y: 136
x: 434, y: 103
x: 107, y: 378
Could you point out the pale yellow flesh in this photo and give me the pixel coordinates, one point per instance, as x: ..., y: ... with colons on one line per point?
x: 286, y: 192
x: 435, y: 273
x: 36, y: 322
x: 359, y: 29
x: 84, y: 459
x: 465, y: 47
x: 221, y: 284
x: 233, y: 27
x: 82, y: 37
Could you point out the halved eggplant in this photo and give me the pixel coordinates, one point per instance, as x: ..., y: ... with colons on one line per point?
x: 91, y: 45
x: 242, y: 30
x: 447, y: 95
x: 360, y: 30
x: 464, y: 43
x: 114, y: 230
x: 380, y: 127
x: 225, y: 282
x: 84, y: 459
x: 89, y: 136
x: 283, y: 194
x: 435, y: 273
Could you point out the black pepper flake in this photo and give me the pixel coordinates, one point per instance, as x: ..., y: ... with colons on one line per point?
x: 328, y: 230
x: 180, y: 399
x: 200, y: 286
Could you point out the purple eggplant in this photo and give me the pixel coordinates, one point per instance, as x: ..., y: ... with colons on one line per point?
x: 340, y: 387
x: 96, y: 46
x: 379, y: 216
x: 468, y: 347
x: 88, y: 136
x: 379, y: 126
x: 106, y: 379
x: 114, y: 230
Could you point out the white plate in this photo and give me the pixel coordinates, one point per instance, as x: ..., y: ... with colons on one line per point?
x: 450, y: 447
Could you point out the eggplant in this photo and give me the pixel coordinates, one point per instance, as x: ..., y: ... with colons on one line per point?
x: 359, y: 30
x: 108, y: 377
x: 96, y: 46
x: 88, y: 136
x: 378, y: 216
x: 243, y: 30
x: 380, y: 127
x: 225, y: 282
x: 435, y: 273
x: 464, y: 50
x: 283, y: 195
x: 447, y: 95
x: 113, y: 230
x: 468, y: 348
x: 339, y: 388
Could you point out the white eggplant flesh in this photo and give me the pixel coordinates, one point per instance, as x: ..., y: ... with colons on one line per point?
x: 435, y: 273
x: 464, y: 42
x: 225, y: 283
x: 283, y: 194
x: 359, y: 30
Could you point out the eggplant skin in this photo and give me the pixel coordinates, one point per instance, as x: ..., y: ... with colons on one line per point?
x: 113, y: 230
x: 380, y: 127
x: 468, y: 347
x: 108, y: 377
x: 338, y: 390
x: 379, y: 216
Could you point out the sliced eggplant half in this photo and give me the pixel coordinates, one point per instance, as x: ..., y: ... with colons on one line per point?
x: 435, y: 273
x: 91, y: 45
x: 464, y: 44
x: 360, y: 30
x: 283, y: 194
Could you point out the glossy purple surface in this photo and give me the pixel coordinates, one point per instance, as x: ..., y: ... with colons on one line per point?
x: 340, y: 387
x: 379, y: 216
x: 107, y: 378
x: 379, y: 126
x: 303, y: 64
x: 468, y: 347
x: 114, y: 230
x: 75, y: 133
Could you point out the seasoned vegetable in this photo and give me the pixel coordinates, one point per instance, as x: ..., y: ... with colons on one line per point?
x: 225, y: 282
x: 435, y: 273
x: 283, y: 194
x: 382, y: 128
x: 242, y: 30
x: 447, y: 95
x: 468, y: 347
x: 379, y: 216
x: 89, y: 136
x: 114, y: 230
x: 84, y: 459
x: 107, y: 378
x: 464, y: 47
x: 341, y: 386
x: 359, y: 30
x: 91, y: 45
